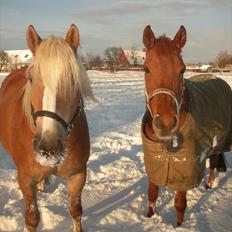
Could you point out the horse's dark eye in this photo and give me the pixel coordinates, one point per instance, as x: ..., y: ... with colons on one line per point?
x: 182, y: 71
x: 146, y: 69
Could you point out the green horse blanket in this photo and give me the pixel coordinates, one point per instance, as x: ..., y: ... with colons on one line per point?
x: 205, y: 131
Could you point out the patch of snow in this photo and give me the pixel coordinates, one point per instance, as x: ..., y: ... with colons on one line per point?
x: 114, y: 197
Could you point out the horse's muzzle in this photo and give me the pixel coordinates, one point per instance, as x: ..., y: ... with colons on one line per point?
x: 49, y: 152
x: 165, y: 131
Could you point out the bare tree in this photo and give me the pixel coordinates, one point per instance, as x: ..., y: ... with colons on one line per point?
x: 134, y: 56
x: 112, y: 56
x: 4, y: 59
x: 96, y: 61
x: 223, y: 58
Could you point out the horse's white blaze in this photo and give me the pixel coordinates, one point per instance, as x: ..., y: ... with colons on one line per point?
x: 49, y: 104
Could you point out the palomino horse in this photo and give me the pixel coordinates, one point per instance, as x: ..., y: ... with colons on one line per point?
x: 186, y: 121
x: 42, y: 121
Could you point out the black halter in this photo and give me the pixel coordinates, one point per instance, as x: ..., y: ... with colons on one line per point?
x: 66, y: 125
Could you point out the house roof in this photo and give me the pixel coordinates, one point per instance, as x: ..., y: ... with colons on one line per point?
x: 20, y: 56
x: 138, y: 54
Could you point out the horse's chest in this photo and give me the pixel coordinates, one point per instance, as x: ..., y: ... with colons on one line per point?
x: 181, y: 170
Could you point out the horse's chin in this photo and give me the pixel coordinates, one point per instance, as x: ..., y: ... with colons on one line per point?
x: 163, y: 137
x: 50, y: 160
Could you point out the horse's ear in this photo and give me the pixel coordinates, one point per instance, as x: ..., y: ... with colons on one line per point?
x: 72, y: 37
x: 148, y: 37
x: 33, y: 39
x: 180, y: 37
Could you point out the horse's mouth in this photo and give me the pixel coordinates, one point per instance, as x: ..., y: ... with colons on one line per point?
x: 50, y: 159
x: 163, y: 135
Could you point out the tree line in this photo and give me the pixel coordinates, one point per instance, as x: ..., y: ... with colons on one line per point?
x: 111, y: 59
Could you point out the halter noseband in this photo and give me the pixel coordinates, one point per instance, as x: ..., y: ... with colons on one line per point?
x: 66, y: 125
x: 164, y: 91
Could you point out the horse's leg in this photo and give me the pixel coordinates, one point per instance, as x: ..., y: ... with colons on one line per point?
x: 31, y: 212
x: 221, y: 163
x: 180, y: 205
x: 41, y: 186
x: 75, y: 186
x: 215, y: 161
x: 153, y: 191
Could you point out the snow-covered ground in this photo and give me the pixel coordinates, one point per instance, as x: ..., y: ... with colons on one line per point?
x: 114, y: 197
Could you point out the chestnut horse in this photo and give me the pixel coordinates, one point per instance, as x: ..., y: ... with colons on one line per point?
x: 42, y: 121
x: 186, y: 121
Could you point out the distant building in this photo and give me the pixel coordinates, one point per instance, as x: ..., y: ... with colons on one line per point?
x: 131, y: 58
x: 19, y: 58
x: 206, y: 68
x: 203, y: 68
x: 192, y: 68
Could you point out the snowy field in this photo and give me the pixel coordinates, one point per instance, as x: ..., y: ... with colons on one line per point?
x: 114, y: 198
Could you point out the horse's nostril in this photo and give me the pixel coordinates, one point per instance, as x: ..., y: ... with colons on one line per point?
x: 174, y: 122
x: 48, y: 147
x: 160, y: 124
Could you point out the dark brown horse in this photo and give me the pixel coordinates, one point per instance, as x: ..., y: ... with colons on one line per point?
x: 186, y: 121
x: 42, y: 121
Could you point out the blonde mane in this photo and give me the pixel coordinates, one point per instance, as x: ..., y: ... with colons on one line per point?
x: 56, y: 65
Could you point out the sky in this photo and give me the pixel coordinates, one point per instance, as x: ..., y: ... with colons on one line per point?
x: 120, y: 23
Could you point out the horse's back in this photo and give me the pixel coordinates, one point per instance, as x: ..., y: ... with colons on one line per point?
x: 210, y: 104
x: 11, y: 106
x: 12, y: 86
x: 209, y: 96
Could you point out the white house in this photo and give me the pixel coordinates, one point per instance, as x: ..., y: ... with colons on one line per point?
x: 20, y: 58
x: 132, y: 57
x: 206, y: 68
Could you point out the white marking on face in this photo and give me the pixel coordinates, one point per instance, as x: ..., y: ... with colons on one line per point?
x: 49, y: 104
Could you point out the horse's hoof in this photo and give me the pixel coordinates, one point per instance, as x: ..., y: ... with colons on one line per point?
x: 150, y: 212
x: 222, y: 169
x: 29, y: 229
x: 208, y: 186
x: 77, y: 225
x: 178, y: 224
x: 41, y: 186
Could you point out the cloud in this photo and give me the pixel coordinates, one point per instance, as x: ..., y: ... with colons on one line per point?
x: 106, y: 23
x: 116, y: 11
